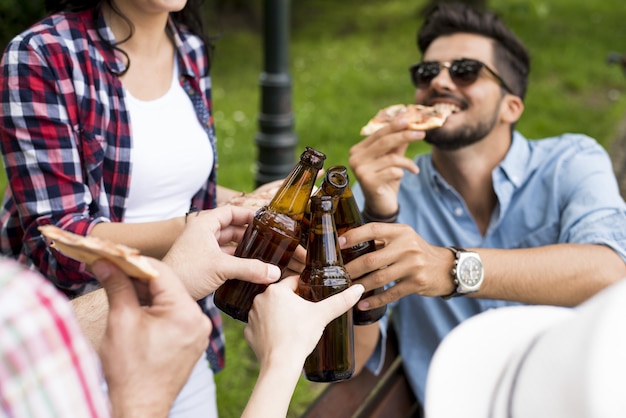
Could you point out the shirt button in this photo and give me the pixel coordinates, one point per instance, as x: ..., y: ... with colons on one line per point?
x: 458, y: 211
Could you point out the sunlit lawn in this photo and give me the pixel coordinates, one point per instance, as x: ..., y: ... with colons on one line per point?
x: 350, y: 58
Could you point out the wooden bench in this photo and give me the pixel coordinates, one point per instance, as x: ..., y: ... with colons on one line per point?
x: 387, y: 395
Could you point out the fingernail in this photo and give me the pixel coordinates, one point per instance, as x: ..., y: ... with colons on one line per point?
x: 363, y: 305
x: 360, y: 287
x: 415, y: 134
x: 342, y: 241
x: 274, y: 272
x: 101, y: 270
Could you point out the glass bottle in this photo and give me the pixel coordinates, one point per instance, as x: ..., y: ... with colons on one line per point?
x: 348, y: 216
x: 273, y: 235
x: 333, y: 184
x: 324, y: 275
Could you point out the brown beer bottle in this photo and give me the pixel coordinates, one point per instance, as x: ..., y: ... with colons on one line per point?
x: 348, y: 216
x: 333, y: 185
x: 273, y: 235
x: 324, y: 275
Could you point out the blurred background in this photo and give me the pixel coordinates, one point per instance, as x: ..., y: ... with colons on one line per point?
x: 349, y: 58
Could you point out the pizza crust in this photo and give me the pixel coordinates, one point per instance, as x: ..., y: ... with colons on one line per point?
x: 88, y: 249
x: 420, y: 117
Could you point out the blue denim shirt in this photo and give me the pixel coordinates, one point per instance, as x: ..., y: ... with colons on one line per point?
x: 554, y: 190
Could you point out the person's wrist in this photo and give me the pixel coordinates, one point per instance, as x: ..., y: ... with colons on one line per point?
x: 370, y: 216
x: 125, y: 406
x: 192, y: 210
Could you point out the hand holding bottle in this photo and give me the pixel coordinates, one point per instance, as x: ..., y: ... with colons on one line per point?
x: 202, y: 254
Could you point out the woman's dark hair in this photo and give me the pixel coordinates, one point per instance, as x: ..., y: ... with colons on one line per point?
x: 191, y: 16
x: 511, y: 56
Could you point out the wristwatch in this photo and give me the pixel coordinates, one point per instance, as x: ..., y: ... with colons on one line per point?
x: 468, y: 272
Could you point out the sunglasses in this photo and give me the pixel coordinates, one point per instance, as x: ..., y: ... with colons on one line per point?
x: 463, y: 72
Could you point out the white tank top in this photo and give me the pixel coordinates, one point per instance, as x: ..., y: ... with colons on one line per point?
x: 171, y: 155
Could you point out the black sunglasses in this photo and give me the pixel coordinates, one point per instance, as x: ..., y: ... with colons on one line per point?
x: 463, y: 72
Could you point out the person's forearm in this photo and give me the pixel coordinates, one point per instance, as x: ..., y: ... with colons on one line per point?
x: 365, y: 340
x: 273, y: 391
x: 91, y: 310
x: 153, y: 239
x: 225, y: 194
x: 562, y: 274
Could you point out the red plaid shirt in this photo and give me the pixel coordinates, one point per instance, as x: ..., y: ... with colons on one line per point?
x: 47, y: 366
x: 65, y: 136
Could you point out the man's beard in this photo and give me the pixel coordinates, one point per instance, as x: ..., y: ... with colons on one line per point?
x: 464, y: 136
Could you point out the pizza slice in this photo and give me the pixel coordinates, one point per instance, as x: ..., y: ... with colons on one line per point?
x: 89, y: 249
x: 420, y: 117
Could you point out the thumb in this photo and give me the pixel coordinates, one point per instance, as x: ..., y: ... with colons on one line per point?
x: 252, y: 270
x: 117, y: 285
x: 330, y: 308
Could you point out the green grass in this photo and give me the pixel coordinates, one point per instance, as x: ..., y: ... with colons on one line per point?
x: 349, y: 58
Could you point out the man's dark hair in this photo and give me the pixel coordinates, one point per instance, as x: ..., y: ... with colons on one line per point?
x: 512, y: 60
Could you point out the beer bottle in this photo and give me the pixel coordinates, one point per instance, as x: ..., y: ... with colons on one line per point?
x: 324, y: 275
x: 273, y: 235
x: 347, y: 216
x: 333, y: 185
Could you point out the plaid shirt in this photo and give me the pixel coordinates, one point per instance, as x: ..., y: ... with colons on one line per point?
x: 47, y: 367
x: 65, y: 135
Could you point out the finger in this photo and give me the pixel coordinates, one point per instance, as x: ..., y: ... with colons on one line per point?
x: 235, y: 215
x: 330, y: 308
x: 291, y: 282
x: 231, y: 233
x: 358, y: 235
x: 389, y: 295
x: 117, y: 285
x: 388, y: 129
x: 229, y: 215
x: 251, y: 270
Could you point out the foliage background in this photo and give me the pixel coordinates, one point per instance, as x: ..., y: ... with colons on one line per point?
x: 349, y: 58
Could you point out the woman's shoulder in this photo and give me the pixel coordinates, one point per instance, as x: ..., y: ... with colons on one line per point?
x: 58, y: 28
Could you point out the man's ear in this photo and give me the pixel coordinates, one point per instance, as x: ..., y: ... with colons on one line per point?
x: 511, y: 109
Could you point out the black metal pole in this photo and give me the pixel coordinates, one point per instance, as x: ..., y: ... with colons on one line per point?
x: 276, y: 139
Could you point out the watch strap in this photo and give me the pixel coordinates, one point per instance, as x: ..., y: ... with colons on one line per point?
x: 457, y: 255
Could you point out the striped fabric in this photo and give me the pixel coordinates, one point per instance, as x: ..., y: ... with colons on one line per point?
x: 47, y: 367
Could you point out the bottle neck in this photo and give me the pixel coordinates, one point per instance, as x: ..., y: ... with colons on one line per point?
x: 292, y: 197
x: 347, y: 213
x: 323, y: 244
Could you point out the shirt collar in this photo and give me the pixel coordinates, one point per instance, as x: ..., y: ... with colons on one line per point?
x: 515, y: 164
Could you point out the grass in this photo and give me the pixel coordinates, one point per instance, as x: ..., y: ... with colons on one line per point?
x: 349, y: 58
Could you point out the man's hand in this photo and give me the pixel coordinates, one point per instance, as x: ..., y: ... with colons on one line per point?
x: 403, y: 258
x: 378, y: 162
x: 155, y: 334
x: 202, y: 254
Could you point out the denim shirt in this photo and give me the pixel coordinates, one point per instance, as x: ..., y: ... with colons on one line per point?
x: 554, y: 190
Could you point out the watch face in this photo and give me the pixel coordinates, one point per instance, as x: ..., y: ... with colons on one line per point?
x: 470, y: 272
